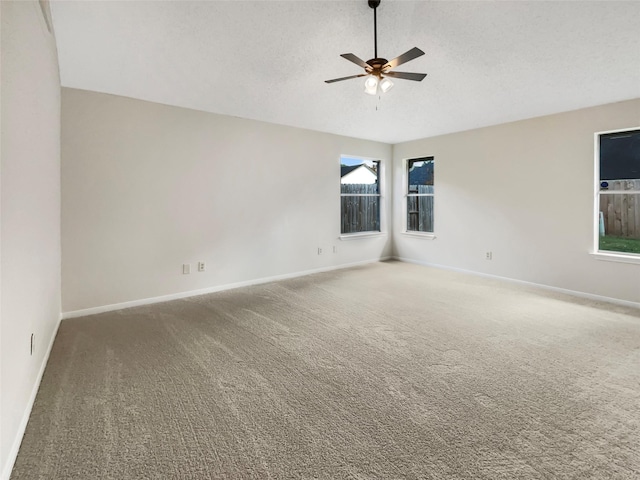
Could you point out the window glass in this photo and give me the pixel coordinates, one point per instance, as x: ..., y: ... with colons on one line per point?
x: 359, y: 195
x: 420, y: 194
x: 620, y: 156
x: 618, y: 216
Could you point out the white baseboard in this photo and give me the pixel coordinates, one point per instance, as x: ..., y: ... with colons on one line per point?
x: 15, y: 448
x: 575, y: 293
x: 203, y: 291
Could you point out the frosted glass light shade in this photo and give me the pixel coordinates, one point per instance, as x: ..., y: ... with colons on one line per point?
x: 371, y: 85
x: 386, y: 85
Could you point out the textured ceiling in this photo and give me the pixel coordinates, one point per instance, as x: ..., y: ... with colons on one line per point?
x: 488, y: 62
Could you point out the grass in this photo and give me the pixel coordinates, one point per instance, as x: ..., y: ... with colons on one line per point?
x: 620, y: 244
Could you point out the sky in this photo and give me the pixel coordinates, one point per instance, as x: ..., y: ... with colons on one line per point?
x: 355, y: 161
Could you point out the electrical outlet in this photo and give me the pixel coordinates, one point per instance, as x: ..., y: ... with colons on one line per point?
x: 33, y: 343
x: 319, y: 250
x: 186, y: 268
x: 489, y: 256
x: 335, y: 249
x: 201, y: 266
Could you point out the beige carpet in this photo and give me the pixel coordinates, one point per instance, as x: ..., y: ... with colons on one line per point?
x: 384, y: 371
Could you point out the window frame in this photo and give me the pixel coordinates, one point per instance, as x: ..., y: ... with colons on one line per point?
x: 407, y: 194
x: 380, y: 195
x: 607, y: 255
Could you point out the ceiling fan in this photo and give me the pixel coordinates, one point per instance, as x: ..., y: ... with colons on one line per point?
x: 379, y: 69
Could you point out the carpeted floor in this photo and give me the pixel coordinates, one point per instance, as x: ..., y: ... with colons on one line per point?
x: 386, y: 371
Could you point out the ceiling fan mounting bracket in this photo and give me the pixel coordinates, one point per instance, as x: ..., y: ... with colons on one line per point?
x: 374, y: 3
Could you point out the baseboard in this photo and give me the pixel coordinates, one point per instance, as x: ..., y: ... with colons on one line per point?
x: 218, y: 288
x: 574, y: 293
x: 15, y: 448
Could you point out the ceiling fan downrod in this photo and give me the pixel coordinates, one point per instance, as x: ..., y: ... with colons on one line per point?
x: 374, y: 4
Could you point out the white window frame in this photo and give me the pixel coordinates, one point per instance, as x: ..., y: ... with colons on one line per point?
x: 607, y: 255
x: 380, y: 195
x: 407, y: 194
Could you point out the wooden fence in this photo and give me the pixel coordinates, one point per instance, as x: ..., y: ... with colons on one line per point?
x: 357, y: 213
x: 621, y: 212
x: 420, y: 209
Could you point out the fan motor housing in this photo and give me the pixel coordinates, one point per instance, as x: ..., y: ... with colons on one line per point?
x: 377, y: 64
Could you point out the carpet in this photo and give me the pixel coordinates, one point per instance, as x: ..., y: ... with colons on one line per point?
x: 384, y: 371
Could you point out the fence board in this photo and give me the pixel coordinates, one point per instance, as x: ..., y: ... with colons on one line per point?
x: 359, y: 214
x: 621, y: 211
x: 420, y: 209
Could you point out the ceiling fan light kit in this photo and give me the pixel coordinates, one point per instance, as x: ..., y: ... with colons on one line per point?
x: 377, y: 70
x: 372, y: 84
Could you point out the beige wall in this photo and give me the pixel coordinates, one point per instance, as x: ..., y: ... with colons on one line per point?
x: 524, y: 191
x: 30, y: 214
x: 147, y: 187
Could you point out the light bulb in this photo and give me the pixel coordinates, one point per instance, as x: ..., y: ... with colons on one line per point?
x: 371, y: 85
x: 386, y: 85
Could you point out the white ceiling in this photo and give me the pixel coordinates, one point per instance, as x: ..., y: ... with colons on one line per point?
x: 488, y: 62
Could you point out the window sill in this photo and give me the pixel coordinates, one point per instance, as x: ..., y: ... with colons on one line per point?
x: 356, y: 236
x: 616, y: 257
x: 423, y: 235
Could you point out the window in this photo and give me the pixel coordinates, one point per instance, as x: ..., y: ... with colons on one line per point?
x: 618, y: 192
x: 420, y: 195
x: 359, y: 195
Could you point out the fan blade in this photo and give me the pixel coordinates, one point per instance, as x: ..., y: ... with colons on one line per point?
x: 406, y: 75
x: 415, y: 52
x: 345, y: 78
x: 358, y: 61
